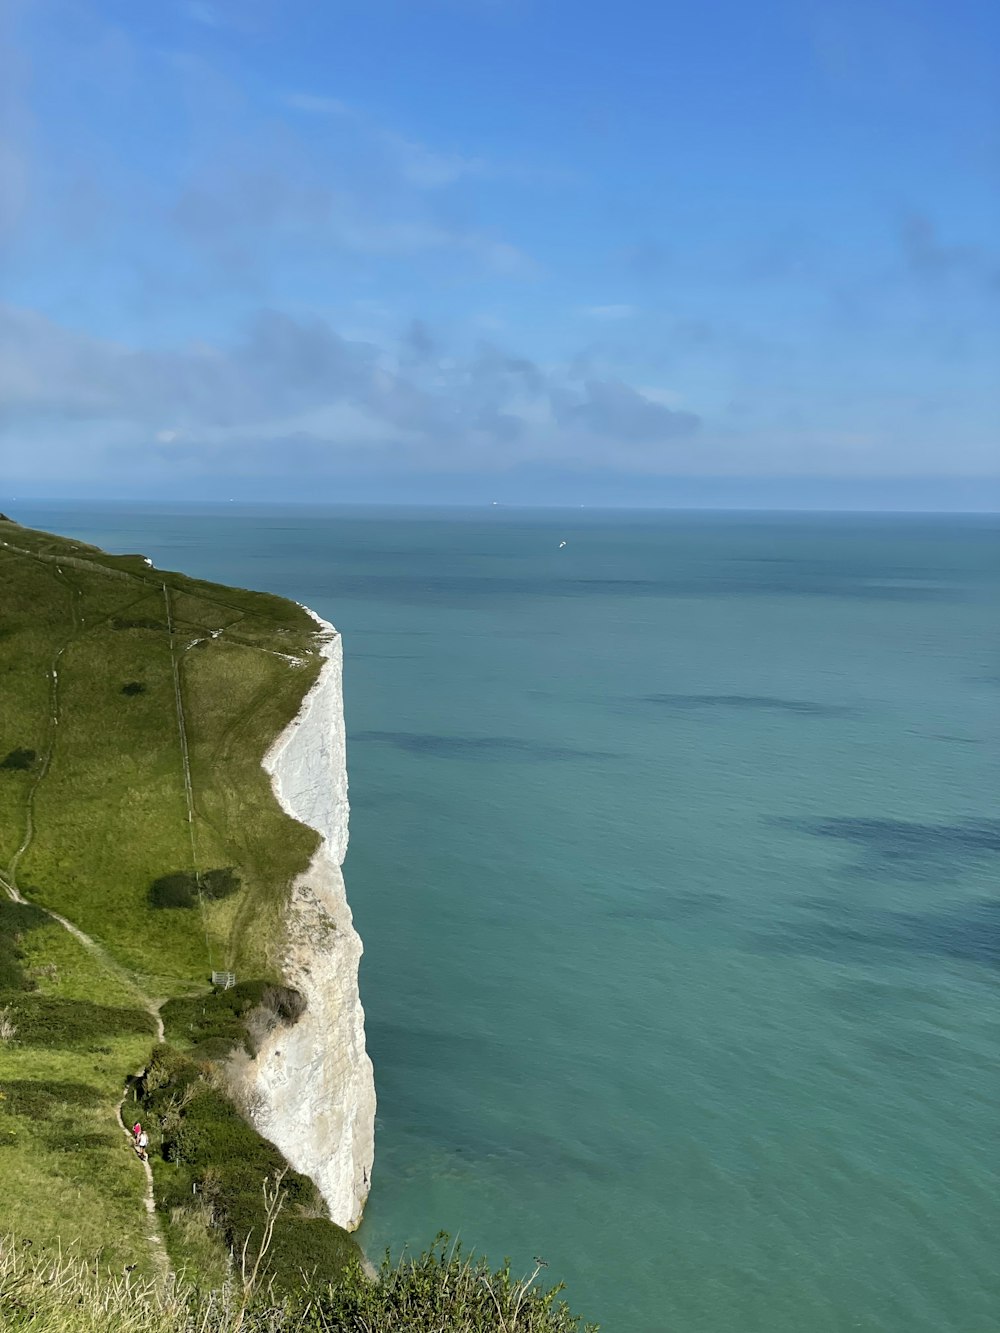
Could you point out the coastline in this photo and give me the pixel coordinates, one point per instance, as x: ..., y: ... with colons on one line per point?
x: 311, y: 1086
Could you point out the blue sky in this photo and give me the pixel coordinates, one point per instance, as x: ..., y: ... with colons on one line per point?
x: 468, y: 249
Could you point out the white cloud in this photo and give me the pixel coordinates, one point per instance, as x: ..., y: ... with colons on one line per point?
x: 427, y: 169
x: 666, y: 397
x: 358, y: 188
x: 288, y: 385
x: 417, y: 163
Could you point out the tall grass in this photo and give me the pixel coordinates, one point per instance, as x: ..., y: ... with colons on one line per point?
x: 441, y: 1292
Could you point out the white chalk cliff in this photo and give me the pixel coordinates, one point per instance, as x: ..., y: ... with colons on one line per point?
x: 312, y: 1087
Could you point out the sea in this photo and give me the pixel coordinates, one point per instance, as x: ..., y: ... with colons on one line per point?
x: 674, y: 848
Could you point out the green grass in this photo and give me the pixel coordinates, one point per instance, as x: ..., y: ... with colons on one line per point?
x: 110, y: 813
x: 93, y: 813
x: 66, y: 1171
x: 442, y: 1291
x: 16, y: 921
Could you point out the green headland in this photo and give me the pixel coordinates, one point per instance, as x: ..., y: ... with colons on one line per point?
x: 141, y: 851
x: 142, y: 854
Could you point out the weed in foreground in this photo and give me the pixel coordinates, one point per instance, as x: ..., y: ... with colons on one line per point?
x: 443, y: 1291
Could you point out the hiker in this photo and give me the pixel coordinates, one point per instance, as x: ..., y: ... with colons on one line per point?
x: 141, y: 1144
x: 136, y: 1131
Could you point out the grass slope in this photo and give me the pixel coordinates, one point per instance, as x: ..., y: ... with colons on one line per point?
x: 110, y: 671
x: 64, y: 1173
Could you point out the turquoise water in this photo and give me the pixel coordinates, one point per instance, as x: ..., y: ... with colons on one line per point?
x: 674, y: 852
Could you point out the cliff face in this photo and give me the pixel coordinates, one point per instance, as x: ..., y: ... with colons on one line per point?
x: 312, y: 1088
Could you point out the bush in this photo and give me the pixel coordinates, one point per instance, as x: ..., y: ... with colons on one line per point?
x: 441, y: 1292
x: 19, y: 760
x: 8, y: 1028
x: 213, y: 1049
x: 219, y: 1161
x: 178, y: 890
x: 438, y: 1293
x: 183, y: 888
x: 41, y: 1099
x: 311, y: 1247
x: 48, y: 1021
x: 133, y: 687
x: 214, y: 1023
x: 15, y: 919
x: 218, y: 884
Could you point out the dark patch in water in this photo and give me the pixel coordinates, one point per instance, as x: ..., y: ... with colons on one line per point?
x: 968, y: 932
x: 907, y: 849
x: 393, y: 633
x: 475, y: 747
x: 749, y: 702
x: 862, y: 996
x: 476, y: 591
x: 673, y: 908
x: 446, y: 1115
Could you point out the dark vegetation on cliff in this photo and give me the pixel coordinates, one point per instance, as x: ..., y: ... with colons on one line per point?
x: 211, y: 1165
x: 212, y: 1025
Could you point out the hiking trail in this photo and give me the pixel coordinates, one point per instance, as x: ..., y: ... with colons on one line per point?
x: 8, y: 881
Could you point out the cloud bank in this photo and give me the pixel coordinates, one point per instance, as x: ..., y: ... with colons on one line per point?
x: 291, y: 385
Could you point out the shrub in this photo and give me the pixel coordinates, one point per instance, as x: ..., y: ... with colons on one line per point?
x: 19, y: 760
x: 41, y: 1099
x: 214, y: 1023
x: 177, y: 890
x: 15, y: 919
x: 183, y: 887
x: 222, y: 883
x: 311, y: 1247
x: 50, y: 1021
x: 133, y: 687
x: 213, y: 1049
x: 219, y: 1161
x: 8, y: 1028
x: 438, y: 1293
x: 441, y: 1292
x: 285, y: 1003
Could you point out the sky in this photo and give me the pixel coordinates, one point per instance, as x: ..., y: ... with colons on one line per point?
x: 463, y: 250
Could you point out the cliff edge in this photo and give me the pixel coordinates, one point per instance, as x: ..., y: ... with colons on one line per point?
x: 311, y: 1088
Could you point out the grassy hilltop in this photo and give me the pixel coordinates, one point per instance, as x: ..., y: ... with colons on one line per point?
x: 135, y: 708
x: 148, y: 664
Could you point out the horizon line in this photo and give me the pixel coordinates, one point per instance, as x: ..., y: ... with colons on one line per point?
x: 474, y: 505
